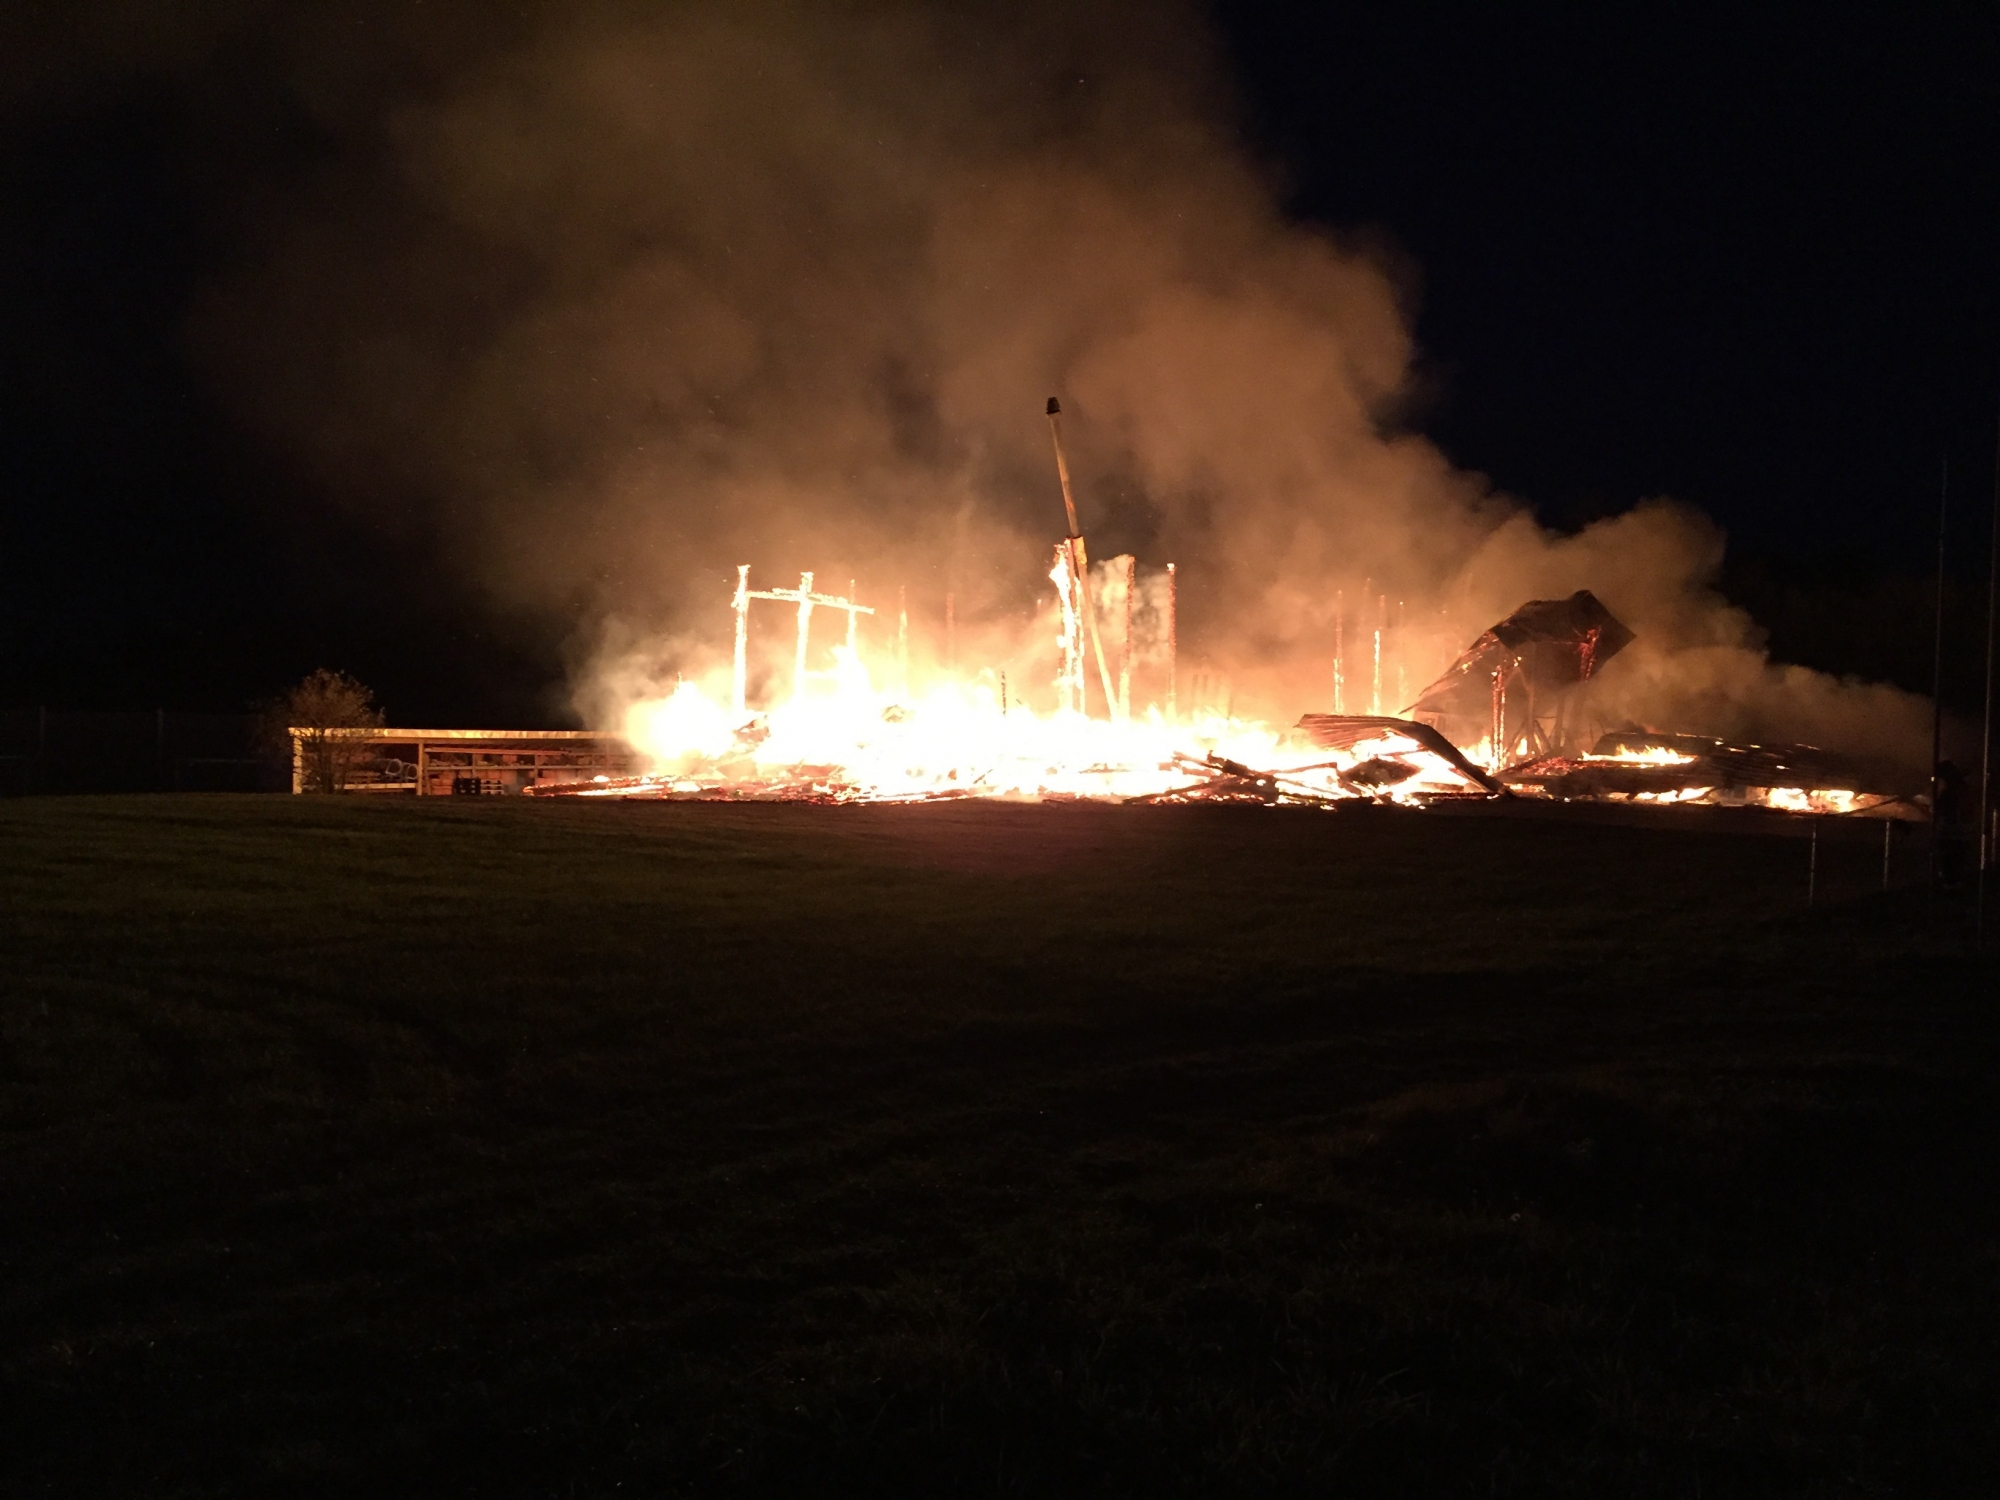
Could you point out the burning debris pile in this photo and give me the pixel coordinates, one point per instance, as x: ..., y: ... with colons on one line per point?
x: 1636, y: 766
x: 1513, y: 715
x: 1030, y: 757
x: 1518, y: 699
x: 842, y: 736
x: 1395, y: 751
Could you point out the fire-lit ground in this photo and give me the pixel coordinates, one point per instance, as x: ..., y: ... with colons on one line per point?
x: 457, y: 1146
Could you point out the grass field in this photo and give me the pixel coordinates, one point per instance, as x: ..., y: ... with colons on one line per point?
x: 494, y: 1148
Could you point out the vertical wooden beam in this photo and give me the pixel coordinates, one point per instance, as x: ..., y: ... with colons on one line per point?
x: 1375, y: 691
x: 805, y: 633
x: 741, y: 682
x: 1402, y: 653
x: 1340, y: 651
x: 903, y: 639
x: 1125, y: 649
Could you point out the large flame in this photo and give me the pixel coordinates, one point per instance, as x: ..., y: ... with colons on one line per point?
x: 840, y: 735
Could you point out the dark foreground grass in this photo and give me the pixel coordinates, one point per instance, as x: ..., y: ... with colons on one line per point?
x: 510, y: 1149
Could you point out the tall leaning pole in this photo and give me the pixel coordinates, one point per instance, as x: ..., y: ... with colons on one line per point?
x: 1079, y: 561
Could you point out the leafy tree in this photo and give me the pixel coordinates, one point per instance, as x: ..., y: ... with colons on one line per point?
x: 316, y: 710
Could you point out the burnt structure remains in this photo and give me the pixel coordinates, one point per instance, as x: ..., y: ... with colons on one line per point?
x: 1512, y: 692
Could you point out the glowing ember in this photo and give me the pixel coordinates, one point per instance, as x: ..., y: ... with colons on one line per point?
x: 1650, y: 755
x: 1816, y: 800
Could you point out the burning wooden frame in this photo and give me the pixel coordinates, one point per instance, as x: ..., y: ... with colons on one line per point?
x: 1511, y: 693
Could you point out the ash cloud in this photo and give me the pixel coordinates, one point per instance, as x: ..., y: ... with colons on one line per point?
x: 611, y: 299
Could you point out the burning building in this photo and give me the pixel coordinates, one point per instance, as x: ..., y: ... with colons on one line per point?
x: 678, y: 298
x: 859, y: 732
x: 1514, y: 714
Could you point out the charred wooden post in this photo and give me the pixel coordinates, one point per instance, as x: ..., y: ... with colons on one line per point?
x: 903, y: 637
x: 1069, y: 679
x: 854, y: 612
x: 1402, y: 653
x: 1361, y: 620
x: 1496, y: 755
x: 1339, y: 650
x: 1381, y: 619
x: 805, y: 598
x: 805, y: 633
x: 740, y: 681
x: 1125, y: 648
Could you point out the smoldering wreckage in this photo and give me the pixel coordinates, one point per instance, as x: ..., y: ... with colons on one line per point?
x: 1510, y: 718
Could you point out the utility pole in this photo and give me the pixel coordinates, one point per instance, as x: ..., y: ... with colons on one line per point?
x: 1986, y: 738
x: 1937, y: 662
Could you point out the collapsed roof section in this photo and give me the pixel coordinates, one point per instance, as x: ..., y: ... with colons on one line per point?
x: 1506, y: 695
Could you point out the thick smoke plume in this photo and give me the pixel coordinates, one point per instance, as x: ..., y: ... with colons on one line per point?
x: 622, y: 297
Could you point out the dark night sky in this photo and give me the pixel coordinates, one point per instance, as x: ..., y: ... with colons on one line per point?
x: 1748, y: 262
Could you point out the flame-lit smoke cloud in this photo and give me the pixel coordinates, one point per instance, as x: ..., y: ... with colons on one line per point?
x: 615, y: 299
